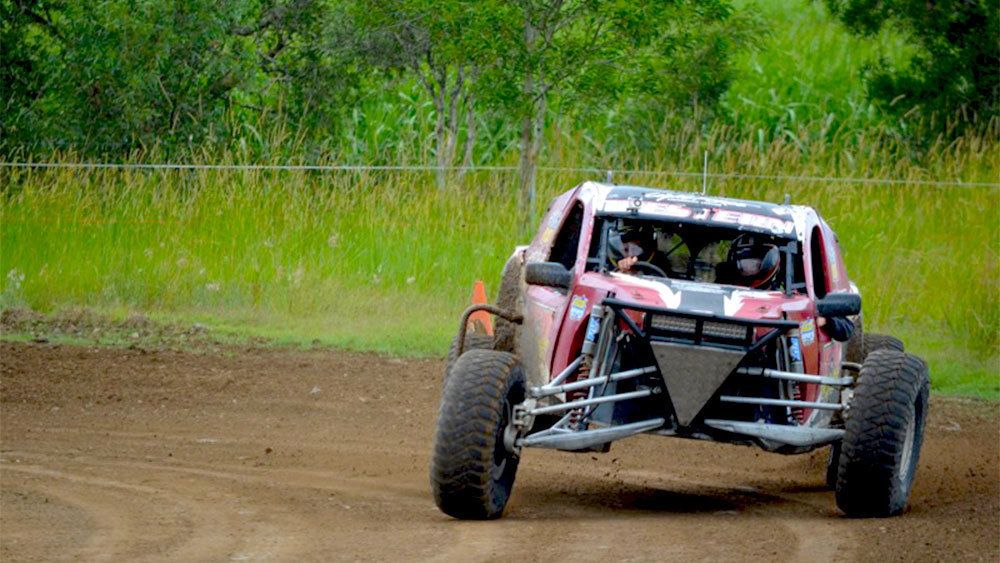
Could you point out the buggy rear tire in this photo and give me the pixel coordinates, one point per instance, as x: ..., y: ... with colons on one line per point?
x: 472, y: 468
x: 874, y: 341
x: 833, y: 466
x: 856, y: 344
x: 509, y: 299
x: 473, y: 341
x: 884, y: 431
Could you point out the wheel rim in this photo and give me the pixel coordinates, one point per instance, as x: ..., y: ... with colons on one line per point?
x: 907, y: 456
x: 500, y: 452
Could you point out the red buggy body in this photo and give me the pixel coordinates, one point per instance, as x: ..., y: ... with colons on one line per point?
x: 584, y: 354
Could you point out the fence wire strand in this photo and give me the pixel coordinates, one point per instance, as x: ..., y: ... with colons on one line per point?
x: 427, y: 168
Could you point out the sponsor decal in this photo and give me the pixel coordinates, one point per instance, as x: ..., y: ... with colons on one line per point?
x: 577, y: 306
x: 808, y: 331
x: 753, y: 220
x: 668, y: 210
x: 794, y: 350
x: 593, y: 327
x: 673, y: 207
x: 698, y: 199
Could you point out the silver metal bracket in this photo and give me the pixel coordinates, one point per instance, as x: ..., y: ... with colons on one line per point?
x: 564, y: 439
x: 785, y: 434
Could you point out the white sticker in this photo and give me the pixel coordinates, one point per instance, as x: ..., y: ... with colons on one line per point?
x: 808, y: 332
x: 577, y: 307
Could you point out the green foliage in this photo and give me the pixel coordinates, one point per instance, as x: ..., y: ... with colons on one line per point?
x: 107, y: 77
x: 955, y: 73
x: 108, y: 73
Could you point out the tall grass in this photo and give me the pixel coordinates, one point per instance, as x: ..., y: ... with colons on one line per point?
x: 808, y: 72
x: 385, y: 260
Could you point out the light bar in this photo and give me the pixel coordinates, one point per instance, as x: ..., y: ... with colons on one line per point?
x: 711, y: 329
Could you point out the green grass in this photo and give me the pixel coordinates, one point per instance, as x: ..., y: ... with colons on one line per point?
x: 385, y: 261
x: 808, y: 73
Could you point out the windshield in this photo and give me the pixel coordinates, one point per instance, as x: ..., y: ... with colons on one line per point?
x: 696, y: 252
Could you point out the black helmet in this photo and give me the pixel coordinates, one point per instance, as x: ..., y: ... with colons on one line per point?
x: 755, y: 260
x: 642, y: 236
x: 631, y: 240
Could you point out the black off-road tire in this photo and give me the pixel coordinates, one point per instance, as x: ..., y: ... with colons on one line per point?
x: 833, y: 466
x: 472, y: 471
x: 874, y: 341
x: 473, y: 341
x: 508, y: 298
x: 884, y: 431
x: 856, y: 344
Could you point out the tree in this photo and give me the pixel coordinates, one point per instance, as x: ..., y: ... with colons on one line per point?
x: 956, y: 71
x: 445, y: 44
x: 307, y: 60
x: 117, y: 74
x: 593, y: 50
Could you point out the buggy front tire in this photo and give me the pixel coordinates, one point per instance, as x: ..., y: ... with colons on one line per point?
x: 473, y: 464
x: 473, y: 341
x: 883, y: 433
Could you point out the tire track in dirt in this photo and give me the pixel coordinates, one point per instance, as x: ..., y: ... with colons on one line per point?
x: 281, y: 455
x: 136, y: 521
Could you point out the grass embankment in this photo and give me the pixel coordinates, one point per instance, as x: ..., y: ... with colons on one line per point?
x: 384, y: 261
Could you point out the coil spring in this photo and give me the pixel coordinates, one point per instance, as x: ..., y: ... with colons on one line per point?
x: 797, y: 412
x: 576, y: 415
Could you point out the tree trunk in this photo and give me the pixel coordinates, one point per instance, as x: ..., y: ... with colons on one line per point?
x: 532, y: 132
x: 530, y: 142
x: 439, y: 139
x: 470, y: 132
x: 447, y: 102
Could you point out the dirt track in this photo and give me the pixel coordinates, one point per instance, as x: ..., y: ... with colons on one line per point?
x: 249, y: 455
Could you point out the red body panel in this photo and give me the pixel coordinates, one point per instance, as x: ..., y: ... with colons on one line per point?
x: 560, y: 318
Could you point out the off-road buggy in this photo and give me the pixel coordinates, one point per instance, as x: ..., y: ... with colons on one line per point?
x: 583, y: 355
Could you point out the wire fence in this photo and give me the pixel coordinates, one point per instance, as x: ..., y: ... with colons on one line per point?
x: 427, y: 168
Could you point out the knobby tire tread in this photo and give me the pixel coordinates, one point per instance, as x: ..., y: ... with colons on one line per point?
x: 892, y: 390
x: 473, y: 341
x: 472, y: 408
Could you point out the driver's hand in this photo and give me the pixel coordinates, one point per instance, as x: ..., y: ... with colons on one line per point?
x: 625, y: 264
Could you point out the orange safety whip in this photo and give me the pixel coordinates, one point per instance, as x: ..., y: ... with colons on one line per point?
x: 480, y: 321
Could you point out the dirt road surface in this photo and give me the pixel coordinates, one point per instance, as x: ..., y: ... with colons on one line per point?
x: 116, y: 454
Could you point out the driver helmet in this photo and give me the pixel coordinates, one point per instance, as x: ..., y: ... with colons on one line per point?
x: 755, y: 261
x: 638, y: 241
x: 631, y: 241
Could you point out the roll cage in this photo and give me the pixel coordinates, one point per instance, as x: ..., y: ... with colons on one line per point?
x: 695, y: 238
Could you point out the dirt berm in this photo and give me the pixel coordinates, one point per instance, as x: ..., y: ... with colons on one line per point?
x: 253, y: 454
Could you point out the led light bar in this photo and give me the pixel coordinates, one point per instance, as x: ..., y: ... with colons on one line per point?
x: 673, y: 324
x: 725, y: 330
x: 710, y: 329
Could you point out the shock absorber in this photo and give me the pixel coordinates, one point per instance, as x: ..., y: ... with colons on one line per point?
x: 576, y: 415
x: 587, y: 351
x: 795, y: 353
